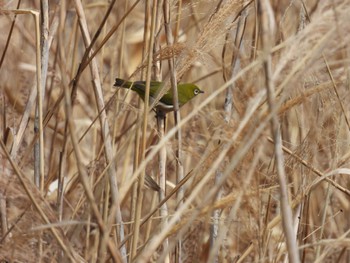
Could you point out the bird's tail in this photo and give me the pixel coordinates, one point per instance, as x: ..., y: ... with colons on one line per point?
x: 122, y: 83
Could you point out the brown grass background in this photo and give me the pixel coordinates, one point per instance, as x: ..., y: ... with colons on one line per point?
x: 228, y: 155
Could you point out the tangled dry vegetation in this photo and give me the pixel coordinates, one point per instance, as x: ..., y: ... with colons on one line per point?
x: 263, y: 153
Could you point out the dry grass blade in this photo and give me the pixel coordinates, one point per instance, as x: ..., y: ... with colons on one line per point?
x: 41, y: 205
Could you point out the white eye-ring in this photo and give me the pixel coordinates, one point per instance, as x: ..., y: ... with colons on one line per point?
x: 196, y: 91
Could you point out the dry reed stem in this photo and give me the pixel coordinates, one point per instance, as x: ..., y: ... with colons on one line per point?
x: 105, y: 129
x: 268, y: 31
x: 140, y: 191
x: 177, y: 117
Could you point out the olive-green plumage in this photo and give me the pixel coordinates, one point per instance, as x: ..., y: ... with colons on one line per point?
x: 186, y: 92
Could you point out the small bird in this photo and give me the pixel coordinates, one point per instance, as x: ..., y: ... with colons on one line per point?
x: 185, y: 91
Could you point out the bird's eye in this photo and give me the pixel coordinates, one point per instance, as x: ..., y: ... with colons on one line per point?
x: 196, y: 91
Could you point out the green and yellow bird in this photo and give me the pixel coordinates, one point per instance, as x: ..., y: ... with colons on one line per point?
x: 185, y: 91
